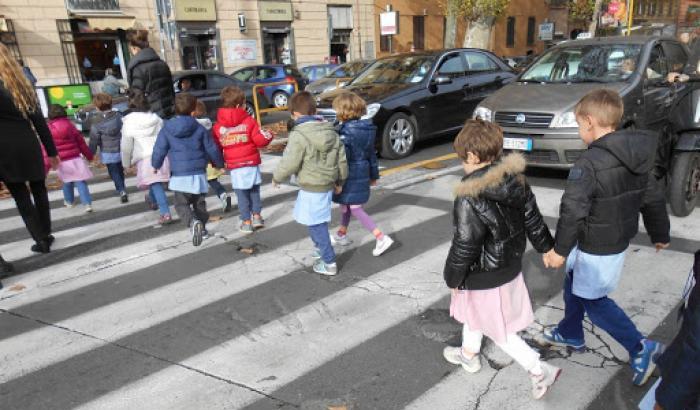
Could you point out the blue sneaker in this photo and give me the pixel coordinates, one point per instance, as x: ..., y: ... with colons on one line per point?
x: 644, y: 363
x: 316, y: 254
x: 555, y: 338
x: 323, y: 268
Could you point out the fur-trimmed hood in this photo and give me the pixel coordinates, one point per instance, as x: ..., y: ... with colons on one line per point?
x: 496, y: 182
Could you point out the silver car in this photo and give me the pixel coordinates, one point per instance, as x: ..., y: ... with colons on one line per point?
x: 338, y: 77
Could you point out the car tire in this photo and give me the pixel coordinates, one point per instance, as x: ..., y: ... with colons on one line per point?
x: 280, y: 99
x: 250, y: 109
x: 685, y: 183
x: 399, y: 136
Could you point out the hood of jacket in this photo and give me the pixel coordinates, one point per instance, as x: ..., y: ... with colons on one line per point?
x: 498, y: 182
x: 320, y: 134
x: 143, y: 56
x: 635, y: 149
x: 230, y: 117
x: 143, y: 123
x: 181, y: 126
x: 204, y: 122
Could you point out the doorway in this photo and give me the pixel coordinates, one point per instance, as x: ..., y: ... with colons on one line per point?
x: 199, y: 52
x: 277, y: 45
x: 340, y: 46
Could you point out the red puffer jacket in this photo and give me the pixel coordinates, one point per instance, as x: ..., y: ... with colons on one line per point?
x: 69, y: 142
x: 239, y: 136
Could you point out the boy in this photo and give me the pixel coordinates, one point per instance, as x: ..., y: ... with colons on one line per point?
x: 599, y: 214
x: 317, y: 156
x: 106, y: 133
x: 189, y: 148
x: 239, y: 135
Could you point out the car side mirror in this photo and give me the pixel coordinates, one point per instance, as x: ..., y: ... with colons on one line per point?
x: 442, y: 79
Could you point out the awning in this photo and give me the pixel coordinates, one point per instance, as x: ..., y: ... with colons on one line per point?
x: 113, y: 23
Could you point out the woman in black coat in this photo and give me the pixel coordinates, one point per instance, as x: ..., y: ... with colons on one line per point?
x: 21, y: 160
x: 148, y: 73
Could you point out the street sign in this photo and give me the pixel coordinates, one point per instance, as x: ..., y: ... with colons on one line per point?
x: 547, y: 31
x: 388, y: 23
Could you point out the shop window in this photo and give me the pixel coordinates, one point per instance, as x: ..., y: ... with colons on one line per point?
x: 419, y: 32
x: 340, y: 45
x: 384, y: 43
x: 510, y: 32
x: 530, y: 31
x: 96, y: 54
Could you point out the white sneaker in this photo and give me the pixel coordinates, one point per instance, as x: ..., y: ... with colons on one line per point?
x: 68, y: 204
x: 541, y: 383
x: 341, y: 240
x: 88, y: 209
x: 455, y: 355
x: 382, y: 245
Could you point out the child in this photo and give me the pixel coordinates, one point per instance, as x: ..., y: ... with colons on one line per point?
x: 240, y: 137
x: 358, y: 138
x: 494, y: 212
x: 106, y: 133
x: 189, y: 147
x: 599, y: 215
x: 139, y: 132
x: 73, y: 170
x: 213, y: 174
x: 315, y: 154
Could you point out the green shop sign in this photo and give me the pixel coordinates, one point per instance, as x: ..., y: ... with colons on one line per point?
x: 72, y: 97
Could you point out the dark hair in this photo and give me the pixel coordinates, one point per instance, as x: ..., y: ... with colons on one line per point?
x: 138, y: 101
x: 102, y: 101
x: 138, y: 38
x: 481, y: 138
x: 200, y: 109
x: 185, y: 104
x: 232, y: 97
x: 303, y: 103
x: 57, y: 111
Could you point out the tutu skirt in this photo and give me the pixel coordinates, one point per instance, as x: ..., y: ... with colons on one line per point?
x: 145, y: 176
x: 73, y: 170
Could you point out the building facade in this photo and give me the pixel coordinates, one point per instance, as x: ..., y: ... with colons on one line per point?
x: 75, y: 41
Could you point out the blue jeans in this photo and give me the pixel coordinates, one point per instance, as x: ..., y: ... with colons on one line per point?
x: 248, y: 200
x: 83, y: 191
x: 322, y: 239
x: 116, y: 172
x: 604, y: 313
x: 156, y: 192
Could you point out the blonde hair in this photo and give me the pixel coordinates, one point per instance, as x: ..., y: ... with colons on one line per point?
x: 349, y: 106
x: 604, y: 105
x: 16, y: 83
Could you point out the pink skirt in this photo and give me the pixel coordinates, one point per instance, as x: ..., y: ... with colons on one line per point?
x: 145, y: 176
x: 73, y: 170
x: 495, y: 312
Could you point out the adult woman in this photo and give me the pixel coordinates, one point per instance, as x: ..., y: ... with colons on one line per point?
x: 148, y: 73
x: 21, y: 159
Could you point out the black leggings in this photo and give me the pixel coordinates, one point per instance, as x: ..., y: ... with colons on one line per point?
x: 37, y: 214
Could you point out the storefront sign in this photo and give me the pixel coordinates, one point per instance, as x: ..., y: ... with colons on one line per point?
x: 388, y: 23
x: 242, y: 51
x: 71, y: 97
x: 546, y: 31
x: 275, y: 11
x: 195, y: 10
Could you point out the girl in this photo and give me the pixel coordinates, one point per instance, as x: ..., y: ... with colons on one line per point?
x: 358, y: 137
x: 494, y: 212
x: 139, y: 131
x: 73, y: 170
x: 213, y: 174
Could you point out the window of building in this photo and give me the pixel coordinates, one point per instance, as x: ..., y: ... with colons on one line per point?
x: 9, y: 39
x: 384, y: 43
x: 530, y: 31
x: 510, y: 32
x: 419, y: 32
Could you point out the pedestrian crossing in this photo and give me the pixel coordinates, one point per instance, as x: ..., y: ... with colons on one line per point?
x: 131, y: 316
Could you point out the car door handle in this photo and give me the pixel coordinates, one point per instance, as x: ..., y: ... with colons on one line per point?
x: 466, y: 86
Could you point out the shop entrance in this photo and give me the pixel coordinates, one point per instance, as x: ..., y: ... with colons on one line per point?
x: 98, y: 52
x: 277, y: 45
x: 199, y: 52
x: 340, y: 45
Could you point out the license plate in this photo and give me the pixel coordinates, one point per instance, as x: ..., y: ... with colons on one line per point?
x: 520, y: 144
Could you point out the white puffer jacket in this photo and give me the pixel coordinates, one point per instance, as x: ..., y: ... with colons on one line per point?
x: 139, y: 132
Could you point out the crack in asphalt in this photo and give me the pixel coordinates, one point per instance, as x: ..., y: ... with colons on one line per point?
x: 486, y: 391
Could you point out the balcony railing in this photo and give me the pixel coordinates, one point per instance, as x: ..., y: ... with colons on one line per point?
x: 93, y: 5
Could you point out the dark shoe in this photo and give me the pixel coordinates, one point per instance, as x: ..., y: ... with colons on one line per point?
x: 41, y: 247
x: 124, y: 197
x: 197, y: 232
x: 5, y: 267
x: 50, y: 239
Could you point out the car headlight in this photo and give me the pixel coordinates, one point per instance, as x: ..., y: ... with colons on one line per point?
x: 483, y: 113
x: 565, y: 120
x: 372, y: 110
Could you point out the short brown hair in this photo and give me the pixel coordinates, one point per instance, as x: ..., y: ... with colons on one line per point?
x: 200, y: 109
x: 481, y: 138
x: 349, y: 106
x: 57, y: 111
x: 303, y: 103
x: 138, y: 38
x: 185, y: 104
x: 102, y: 101
x: 232, y: 97
x: 604, y: 105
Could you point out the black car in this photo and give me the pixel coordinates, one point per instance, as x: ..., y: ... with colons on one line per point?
x: 416, y: 96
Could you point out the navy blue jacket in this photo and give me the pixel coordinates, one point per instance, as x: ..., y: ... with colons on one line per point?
x: 358, y: 138
x: 188, y: 145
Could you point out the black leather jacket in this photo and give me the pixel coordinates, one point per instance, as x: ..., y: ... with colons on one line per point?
x: 148, y: 73
x: 494, y: 212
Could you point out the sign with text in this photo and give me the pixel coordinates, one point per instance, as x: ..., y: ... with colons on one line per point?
x: 275, y: 11
x: 546, y: 31
x: 242, y: 51
x: 389, y: 23
x: 195, y: 10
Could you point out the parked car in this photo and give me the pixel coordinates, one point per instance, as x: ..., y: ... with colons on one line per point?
x: 416, y: 96
x: 273, y: 73
x: 536, y: 110
x: 205, y: 85
x: 316, y: 71
x: 338, y: 77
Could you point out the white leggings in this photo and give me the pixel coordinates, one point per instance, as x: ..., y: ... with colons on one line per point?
x: 514, y: 346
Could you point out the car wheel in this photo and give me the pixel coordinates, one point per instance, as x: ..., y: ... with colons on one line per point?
x: 685, y: 183
x: 399, y: 136
x: 250, y: 109
x: 280, y: 99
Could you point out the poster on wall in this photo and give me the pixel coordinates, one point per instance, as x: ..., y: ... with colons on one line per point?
x: 242, y: 51
x: 71, y: 97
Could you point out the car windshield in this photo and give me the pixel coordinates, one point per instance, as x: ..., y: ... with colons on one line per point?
x: 600, y: 63
x: 397, y: 70
x: 347, y: 70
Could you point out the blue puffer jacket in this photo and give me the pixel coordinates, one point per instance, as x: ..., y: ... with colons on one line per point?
x: 188, y: 145
x: 358, y: 138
